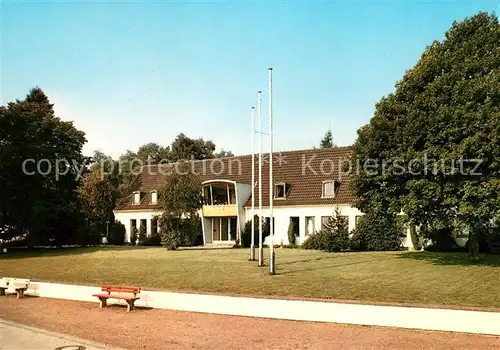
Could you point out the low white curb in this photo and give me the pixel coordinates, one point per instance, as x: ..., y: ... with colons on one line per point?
x: 389, y: 316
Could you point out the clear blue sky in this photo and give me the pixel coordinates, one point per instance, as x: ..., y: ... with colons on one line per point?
x: 128, y: 73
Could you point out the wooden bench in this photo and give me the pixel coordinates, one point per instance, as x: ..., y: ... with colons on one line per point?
x: 18, y: 284
x: 129, y: 294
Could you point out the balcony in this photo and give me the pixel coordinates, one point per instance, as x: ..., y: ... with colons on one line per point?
x: 219, y: 199
x: 220, y: 210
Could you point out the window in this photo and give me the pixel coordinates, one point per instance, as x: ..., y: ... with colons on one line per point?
x: 296, y: 224
x: 328, y: 189
x: 154, y: 197
x: 309, y: 225
x: 137, y: 197
x: 143, y: 226
x: 280, y: 190
x: 324, y: 220
x: 267, y: 221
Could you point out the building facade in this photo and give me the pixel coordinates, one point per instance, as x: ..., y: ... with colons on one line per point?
x: 307, y: 187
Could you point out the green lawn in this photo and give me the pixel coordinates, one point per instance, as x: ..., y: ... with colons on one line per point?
x: 418, y: 277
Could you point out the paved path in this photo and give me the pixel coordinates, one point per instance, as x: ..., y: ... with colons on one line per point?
x: 15, y: 336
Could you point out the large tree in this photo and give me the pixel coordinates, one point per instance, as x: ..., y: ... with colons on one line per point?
x: 432, y: 148
x: 100, y: 189
x: 180, y: 197
x: 41, y: 163
x: 185, y: 148
x: 153, y: 153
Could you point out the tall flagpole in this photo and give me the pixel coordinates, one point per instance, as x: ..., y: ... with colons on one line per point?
x: 259, y: 116
x: 272, y: 267
x: 252, y: 244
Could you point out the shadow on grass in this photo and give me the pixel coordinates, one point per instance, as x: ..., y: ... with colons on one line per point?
x: 305, y: 260
x: 338, y: 265
x: 460, y: 259
x: 23, y: 253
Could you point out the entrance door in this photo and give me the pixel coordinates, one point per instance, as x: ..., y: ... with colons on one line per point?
x: 224, y: 231
x: 216, y: 229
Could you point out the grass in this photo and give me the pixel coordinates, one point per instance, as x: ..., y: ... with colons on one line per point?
x: 394, y: 277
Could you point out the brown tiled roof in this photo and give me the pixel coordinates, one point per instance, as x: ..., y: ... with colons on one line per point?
x: 303, y: 170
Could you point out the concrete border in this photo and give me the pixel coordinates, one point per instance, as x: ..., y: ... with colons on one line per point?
x: 465, y: 321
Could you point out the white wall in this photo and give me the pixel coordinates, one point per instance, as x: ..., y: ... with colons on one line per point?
x: 282, y: 219
x: 390, y: 316
x: 243, y: 193
x: 125, y: 216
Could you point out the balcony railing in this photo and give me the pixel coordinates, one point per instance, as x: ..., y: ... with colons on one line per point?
x: 220, y: 210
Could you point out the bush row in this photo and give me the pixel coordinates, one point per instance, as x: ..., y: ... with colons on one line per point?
x: 372, y: 233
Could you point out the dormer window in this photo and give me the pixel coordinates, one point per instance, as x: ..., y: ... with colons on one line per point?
x: 154, y: 197
x: 328, y: 189
x: 281, y: 190
x: 137, y: 197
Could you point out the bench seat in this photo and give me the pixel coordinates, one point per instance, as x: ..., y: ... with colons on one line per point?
x: 116, y: 296
x: 20, y: 285
x: 129, y: 294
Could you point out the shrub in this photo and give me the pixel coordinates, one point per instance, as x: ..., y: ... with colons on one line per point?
x: 153, y: 240
x: 314, y: 241
x: 442, y: 240
x: 171, y: 238
x: 176, y: 232
x: 335, y: 234
x: 116, y: 234
x: 142, y: 234
x: 133, y: 235
x: 291, y: 233
x: 91, y: 235
x: 334, y: 237
x: 246, y: 238
x: 378, y: 231
x: 246, y: 234
x: 493, y: 239
x: 488, y: 240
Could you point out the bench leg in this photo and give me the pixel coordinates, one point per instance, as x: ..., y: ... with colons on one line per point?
x: 130, y: 305
x: 20, y: 293
x: 2, y: 292
x: 102, y: 303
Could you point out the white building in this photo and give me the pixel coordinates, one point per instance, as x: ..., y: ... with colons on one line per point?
x: 308, y: 186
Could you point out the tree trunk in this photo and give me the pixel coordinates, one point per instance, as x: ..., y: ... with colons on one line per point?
x: 473, y: 246
x: 413, y: 237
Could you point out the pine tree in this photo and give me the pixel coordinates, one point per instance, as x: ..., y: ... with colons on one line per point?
x: 327, y: 140
x: 335, y: 233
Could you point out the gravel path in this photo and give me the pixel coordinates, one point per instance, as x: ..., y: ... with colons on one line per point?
x: 164, y: 329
